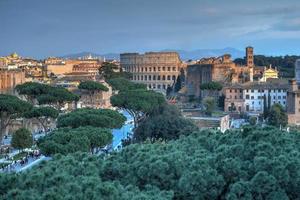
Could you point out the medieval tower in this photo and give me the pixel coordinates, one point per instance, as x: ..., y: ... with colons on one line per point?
x: 250, y: 61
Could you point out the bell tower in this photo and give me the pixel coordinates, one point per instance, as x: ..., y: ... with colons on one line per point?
x: 250, y: 61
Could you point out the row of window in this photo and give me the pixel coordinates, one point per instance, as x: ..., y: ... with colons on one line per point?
x: 158, y: 86
x: 262, y: 90
x: 154, y: 77
x: 150, y: 69
x: 262, y: 97
x: 252, y: 97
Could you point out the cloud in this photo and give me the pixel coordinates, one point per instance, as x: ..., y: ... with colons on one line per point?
x: 288, y: 25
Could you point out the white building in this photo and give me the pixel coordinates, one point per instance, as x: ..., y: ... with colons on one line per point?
x: 255, y: 96
x: 251, y: 97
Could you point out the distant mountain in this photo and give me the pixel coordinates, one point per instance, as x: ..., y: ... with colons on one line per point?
x: 184, y: 55
x: 115, y: 56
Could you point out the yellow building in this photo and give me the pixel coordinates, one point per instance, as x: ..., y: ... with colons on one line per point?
x: 269, y: 73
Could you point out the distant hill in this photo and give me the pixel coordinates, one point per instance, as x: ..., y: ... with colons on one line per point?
x: 115, y: 56
x: 184, y: 55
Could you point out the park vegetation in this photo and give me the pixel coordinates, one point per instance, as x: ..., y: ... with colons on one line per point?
x: 22, y: 139
x: 11, y: 107
x: 37, y: 93
x: 68, y: 140
x: 253, y: 163
x: 104, y: 118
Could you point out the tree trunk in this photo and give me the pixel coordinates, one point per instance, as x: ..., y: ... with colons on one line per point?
x: 5, y: 119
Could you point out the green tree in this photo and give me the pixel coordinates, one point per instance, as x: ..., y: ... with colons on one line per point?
x: 57, y: 97
x: 166, y: 123
x: 209, y: 104
x: 104, y: 118
x: 46, y: 94
x: 22, y: 139
x: 123, y: 84
x: 138, y: 103
x: 212, y: 86
x: 32, y: 90
x: 108, y: 69
x: 252, y: 121
x: 67, y: 140
x: 91, y: 87
x: 277, y: 116
x: 10, y: 108
x: 42, y: 114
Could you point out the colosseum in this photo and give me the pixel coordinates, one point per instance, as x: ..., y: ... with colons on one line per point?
x: 158, y: 70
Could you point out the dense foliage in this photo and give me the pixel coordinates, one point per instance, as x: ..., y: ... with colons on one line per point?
x: 104, y: 118
x: 164, y: 123
x: 138, y: 102
x: 92, y: 86
x: 214, y: 86
x: 22, y: 139
x: 123, y: 84
x: 110, y: 71
x: 31, y: 90
x: 286, y: 64
x: 57, y: 97
x: 42, y: 114
x: 209, y: 104
x: 277, y: 116
x: 261, y: 163
x: 10, y: 107
x: 66, y: 140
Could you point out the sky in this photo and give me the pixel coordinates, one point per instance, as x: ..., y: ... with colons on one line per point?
x: 42, y: 28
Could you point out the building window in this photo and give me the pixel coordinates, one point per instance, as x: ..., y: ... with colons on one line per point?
x: 252, y: 97
x: 154, y: 77
x: 158, y: 86
x: 149, y: 86
x: 252, y: 91
x: 173, y: 77
x: 150, y: 69
x: 145, y: 77
x: 149, y: 77
x: 164, y: 86
x: 169, y: 77
x: 279, y: 90
x: 138, y: 77
x: 163, y: 77
x: 142, y: 69
x: 279, y: 97
x: 174, y: 69
x: 142, y: 77
x: 169, y: 68
x: 235, y: 97
x: 158, y: 69
x: 283, y: 102
x: 164, y: 68
x: 284, y: 97
x: 230, y: 90
x: 158, y: 77
x: 154, y: 69
x: 154, y: 86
